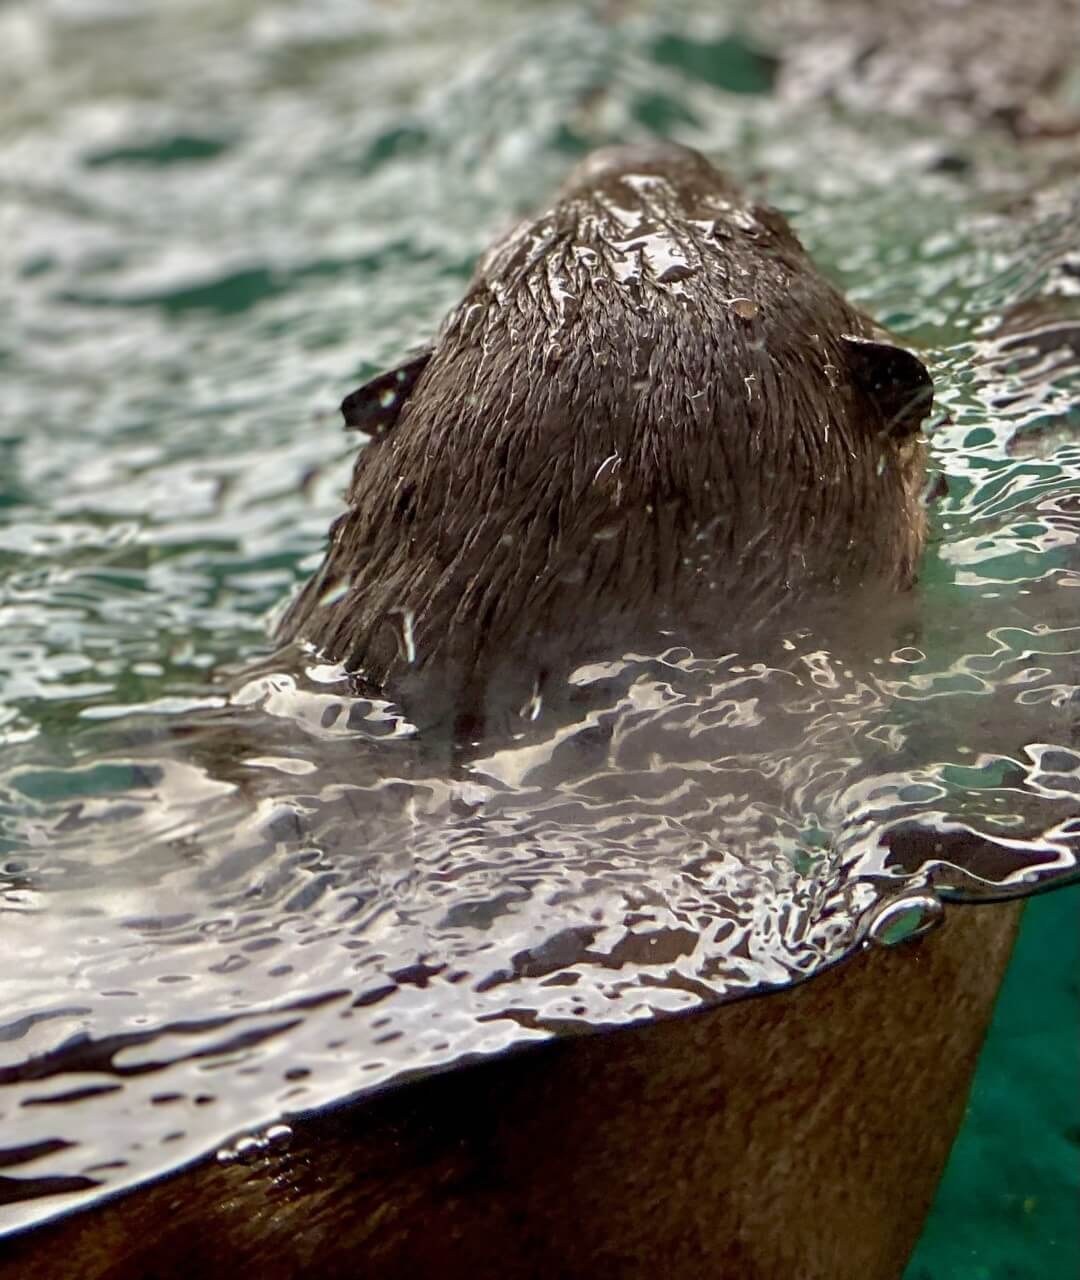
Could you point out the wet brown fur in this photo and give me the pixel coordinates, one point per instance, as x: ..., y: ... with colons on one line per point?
x: 649, y: 408
x: 794, y: 1135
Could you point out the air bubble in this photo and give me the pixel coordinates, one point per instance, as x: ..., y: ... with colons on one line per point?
x: 905, y: 919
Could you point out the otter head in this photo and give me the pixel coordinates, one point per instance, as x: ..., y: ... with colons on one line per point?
x: 648, y: 412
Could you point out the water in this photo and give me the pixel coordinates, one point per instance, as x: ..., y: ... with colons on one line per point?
x: 1007, y: 1203
x: 225, y: 899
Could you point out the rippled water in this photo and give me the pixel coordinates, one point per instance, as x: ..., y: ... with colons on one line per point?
x: 225, y: 896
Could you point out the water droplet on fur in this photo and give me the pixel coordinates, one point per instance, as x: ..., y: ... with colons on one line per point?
x: 253, y: 1145
x: 249, y: 1148
x: 745, y: 308
x: 336, y: 591
x: 278, y: 1135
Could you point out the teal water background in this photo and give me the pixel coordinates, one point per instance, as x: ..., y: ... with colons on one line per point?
x: 1007, y: 1204
x: 217, y: 217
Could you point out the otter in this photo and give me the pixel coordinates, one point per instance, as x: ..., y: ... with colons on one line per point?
x: 649, y: 413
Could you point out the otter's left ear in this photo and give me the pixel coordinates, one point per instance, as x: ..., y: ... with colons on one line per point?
x: 374, y: 407
x: 895, y: 381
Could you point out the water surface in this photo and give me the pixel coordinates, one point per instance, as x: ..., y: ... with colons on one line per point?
x: 226, y: 898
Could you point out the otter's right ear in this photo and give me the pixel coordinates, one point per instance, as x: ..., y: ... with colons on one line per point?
x: 894, y: 379
x: 374, y: 407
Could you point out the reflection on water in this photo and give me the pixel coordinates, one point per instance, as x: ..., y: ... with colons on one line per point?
x: 292, y: 896
x: 227, y: 899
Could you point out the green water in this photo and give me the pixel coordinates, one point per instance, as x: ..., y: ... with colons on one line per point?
x: 218, y: 217
x: 1007, y: 1204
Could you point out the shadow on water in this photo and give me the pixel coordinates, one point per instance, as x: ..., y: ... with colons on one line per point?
x: 229, y: 898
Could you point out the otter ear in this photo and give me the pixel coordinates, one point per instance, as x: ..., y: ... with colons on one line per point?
x: 374, y: 407
x: 895, y: 381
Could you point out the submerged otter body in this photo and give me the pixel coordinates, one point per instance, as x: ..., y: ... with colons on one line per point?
x: 648, y: 407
